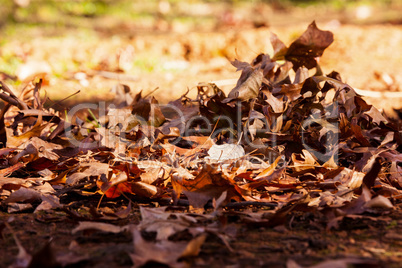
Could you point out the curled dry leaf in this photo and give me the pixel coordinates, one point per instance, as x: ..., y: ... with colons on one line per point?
x: 248, y: 86
x: 308, y: 145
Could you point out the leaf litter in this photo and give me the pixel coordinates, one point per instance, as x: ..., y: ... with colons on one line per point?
x: 282, y: 144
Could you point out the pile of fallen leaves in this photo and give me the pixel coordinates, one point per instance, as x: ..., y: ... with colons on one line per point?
x: 287, y: 139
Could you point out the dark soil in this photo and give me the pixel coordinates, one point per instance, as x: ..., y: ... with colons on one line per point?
x: 363, y: 241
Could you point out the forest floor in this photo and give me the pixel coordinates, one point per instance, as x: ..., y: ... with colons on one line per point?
x: 175, y: 54
x: 174, y: 57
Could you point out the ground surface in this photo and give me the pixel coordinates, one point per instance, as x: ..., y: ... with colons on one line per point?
x: 364, y: 241
x: 174, y: 60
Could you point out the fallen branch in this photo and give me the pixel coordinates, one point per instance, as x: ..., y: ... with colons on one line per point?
x: 11, y: 98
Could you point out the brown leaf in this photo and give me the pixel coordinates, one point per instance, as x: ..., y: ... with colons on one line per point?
x: 193, y: 248
x: 276, y: 103
x: 338, y: 263
x: 240, y: 65
x: 248, y: 85
x: 376, y: 115
x: 156, y: 117
x: 208, y: 184
x: 278, y: 46
x: 49, y: 201
x: 35, y: 131
x: 370, y: 177
x: 3, y: 133
x: 168, y: 253
x: 38, y: 148
x: 86, y: 170
x: 23, y: 195
x: 301, y: 75
x: 379, y: 202
x: 308, y: 46
x: 9, y: 170
x: 292, y: 91
x: 358, y: 133
x: 268, y: 171
x: 13, y: 183
x: 145, y: 189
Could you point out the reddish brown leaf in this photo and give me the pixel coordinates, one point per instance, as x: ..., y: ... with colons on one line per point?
x: 369, y: 178
x: 208, y: 184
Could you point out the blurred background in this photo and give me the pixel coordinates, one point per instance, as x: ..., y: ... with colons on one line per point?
x: 172, y: 45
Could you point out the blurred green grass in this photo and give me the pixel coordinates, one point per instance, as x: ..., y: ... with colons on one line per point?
x: 80, y: 13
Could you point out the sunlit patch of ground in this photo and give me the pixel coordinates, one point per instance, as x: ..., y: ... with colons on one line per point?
x: 175, y: 52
